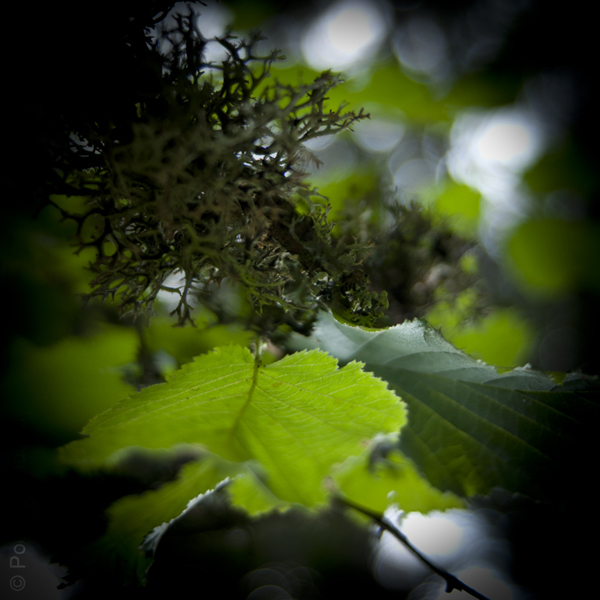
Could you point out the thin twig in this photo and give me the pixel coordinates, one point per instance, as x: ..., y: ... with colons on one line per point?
x: 452, y: 582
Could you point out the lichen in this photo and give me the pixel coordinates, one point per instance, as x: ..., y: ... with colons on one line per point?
x: 205, y: 177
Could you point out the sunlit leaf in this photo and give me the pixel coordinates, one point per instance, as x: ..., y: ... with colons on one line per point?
x: 296, y: 417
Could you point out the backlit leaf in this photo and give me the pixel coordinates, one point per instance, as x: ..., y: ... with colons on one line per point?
x: 296, y: 417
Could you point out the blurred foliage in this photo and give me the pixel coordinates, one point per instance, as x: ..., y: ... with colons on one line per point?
x: 414, y: 260
x: 503, y: 337
x: 554, y: 256
x: 460, y: 207
x: 182, y: 344
x: 563, y: 168
x: 391, y: 479
x: 559, y: 185
x: 75, y: 379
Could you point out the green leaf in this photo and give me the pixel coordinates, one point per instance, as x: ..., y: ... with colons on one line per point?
x: 393, y: 480
x: 470, y: 427
x: 459, y: 206
x: 296, y: 417
x: 132, y: 518
x: 136, y: 522
x: 74, y: 379
x: 502, y: 337
x: 564, y: 168
x: 551, y: 256
x: 392, y: 88
x: 184, y: 343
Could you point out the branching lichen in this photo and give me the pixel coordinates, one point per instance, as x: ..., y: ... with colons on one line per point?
x: 205, y: 178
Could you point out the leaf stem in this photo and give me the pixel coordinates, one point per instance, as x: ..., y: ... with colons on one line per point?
x: 452, y: 582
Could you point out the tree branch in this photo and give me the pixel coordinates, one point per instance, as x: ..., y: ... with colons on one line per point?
x: 452, y: 582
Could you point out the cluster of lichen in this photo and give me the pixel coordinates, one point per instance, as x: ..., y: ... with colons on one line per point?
x: 205, y: 179
x: 418, y: 261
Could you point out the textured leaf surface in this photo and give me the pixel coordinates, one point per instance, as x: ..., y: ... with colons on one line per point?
x: 470, y: 427
x: 296, y: 417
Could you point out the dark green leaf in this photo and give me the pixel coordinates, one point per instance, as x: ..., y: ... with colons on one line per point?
x: 470, y: 427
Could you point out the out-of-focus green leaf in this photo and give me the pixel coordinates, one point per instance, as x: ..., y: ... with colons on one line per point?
x: 58, y: 388
x: 353, y: 187
x: 470, y: 428
x: 564, y: 169
x: 500, y: 338
x: 459, y: 206
x: 482, y: 90
x: 550, y: 256
x: 249, y: 15
x: 386, y: 85
x: 394, y: 480
x: 184, y: 343
x: 42, y: 274
x: 389, y: 86
x: 132, y: 518
x: 296, y: 417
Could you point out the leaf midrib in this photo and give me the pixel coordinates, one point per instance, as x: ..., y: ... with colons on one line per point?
x: 238, y: 417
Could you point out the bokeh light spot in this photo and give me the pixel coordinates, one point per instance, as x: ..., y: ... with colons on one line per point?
x: 343, y: 34
x: 421, y: 46
x: 507, y: 142
x: 378, y: 135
